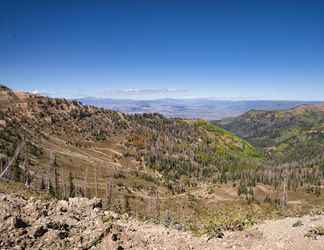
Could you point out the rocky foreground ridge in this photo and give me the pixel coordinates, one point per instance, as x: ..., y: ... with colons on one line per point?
x: 80, y: 223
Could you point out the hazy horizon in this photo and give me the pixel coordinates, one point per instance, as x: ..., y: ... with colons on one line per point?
x: 139, y: 98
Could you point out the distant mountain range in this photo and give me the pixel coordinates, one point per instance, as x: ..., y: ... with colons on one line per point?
x: 208, y: 109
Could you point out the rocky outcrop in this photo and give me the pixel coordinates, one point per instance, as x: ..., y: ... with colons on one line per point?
x: 78, y: 223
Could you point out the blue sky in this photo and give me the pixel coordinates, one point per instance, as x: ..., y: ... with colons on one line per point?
x: 151, y: 49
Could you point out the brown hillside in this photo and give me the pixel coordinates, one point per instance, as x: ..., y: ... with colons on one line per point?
x: 304, y: 108
x: 72, y: 149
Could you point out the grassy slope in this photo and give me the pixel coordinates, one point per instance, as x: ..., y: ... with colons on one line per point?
x: 227, y: 141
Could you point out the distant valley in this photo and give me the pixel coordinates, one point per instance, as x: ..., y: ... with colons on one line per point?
x: 209, y: 109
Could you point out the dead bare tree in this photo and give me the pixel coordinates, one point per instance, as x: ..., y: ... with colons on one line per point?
x: 50, y: 170
x: 2, y: 158
x: 12, y: 160
x: 86, y: 182
x: 96, y: 181
x: 57, y: 188
x: 284, y: 198
x: 27, y: 174
x: 157, y: 204
x: 63, y: 183
x: 109, y: 190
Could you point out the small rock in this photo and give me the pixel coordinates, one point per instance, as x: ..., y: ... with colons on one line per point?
x: 114, y: 237
x: 40, y: 231
x: 63, y: 206
x: 58, y: 226
x: 19, y: 223
x: 63, y: 234
x: 178, y: 227
x: 298, y: 223
x: 96, y: 203
x: 7, y: 216
x: 23, y: 232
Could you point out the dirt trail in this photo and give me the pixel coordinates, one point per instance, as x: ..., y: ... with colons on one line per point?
x: 109, y: 149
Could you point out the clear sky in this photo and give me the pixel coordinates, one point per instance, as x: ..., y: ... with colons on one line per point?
x: 262, y: 49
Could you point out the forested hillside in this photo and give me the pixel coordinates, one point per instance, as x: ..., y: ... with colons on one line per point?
x: 59, y: 144
x: 291, y: 135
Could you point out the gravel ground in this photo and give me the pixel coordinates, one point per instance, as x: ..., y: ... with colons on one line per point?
x: 271, y: 235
